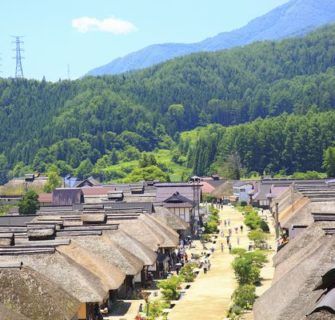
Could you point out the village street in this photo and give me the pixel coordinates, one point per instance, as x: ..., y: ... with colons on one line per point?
x: 210, y: 295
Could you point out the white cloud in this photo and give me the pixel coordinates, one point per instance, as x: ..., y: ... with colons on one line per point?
x: 112, y: 25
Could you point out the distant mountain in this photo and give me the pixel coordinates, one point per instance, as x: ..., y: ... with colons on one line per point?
x: 297, y: 17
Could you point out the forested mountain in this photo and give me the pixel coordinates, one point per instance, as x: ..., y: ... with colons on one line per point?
x: 91, y: 123
x: 294, y: 18
x: 287, y: 144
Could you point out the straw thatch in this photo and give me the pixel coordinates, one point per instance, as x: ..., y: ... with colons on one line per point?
x: 224, y: 190
x: 8, y: 314
x: 104, y: 247
x: 303, y: 243
x: 139, y: 230
x: 137, y: 248
x: 28, y: 293
x: 170, y: 236
x: 293, y: 295
x: 67, y: 274
x: 165, y: 216
x: 293, y: 209
x: 321, y: 315
x: 111, y: 277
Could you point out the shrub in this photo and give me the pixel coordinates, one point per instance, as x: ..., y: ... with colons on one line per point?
x: 245, y: 271
x: 243, y: 204
x: 258, y: 237
x: 156, y: 308
x: 187, y: 272
x: 244, y: 296
x: 238, y: 251
x: 29, y: 203
x: 169, y: 288
x: 264, y: 226
x: 211, y: 226
x: 205, y: 237
x: 252, y: 220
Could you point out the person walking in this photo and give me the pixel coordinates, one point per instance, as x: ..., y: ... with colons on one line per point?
x: 222, y: 246
x: 209, y: 265
x: 236, y: 229
x: 241, y: 228
x: 238, y: 241
x: 205, y: 266
x: 230, y: 247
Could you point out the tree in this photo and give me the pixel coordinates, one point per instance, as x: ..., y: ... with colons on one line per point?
x: 84, y: 170
x: 246, y: 271
x: 329, y: 161
x: 54, y: 180
x: 244, y: 296
x: 258, y: 237
x: 29, y: 203
x: 147, y: 174
x: 170, y: 287
x: 3, y: 169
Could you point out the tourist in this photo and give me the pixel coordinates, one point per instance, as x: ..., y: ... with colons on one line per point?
x: 238, y: 241
x: 230, y: 247
x: 241, y: 228
x: 205, y: 266
x: 236, y: 229
x: 222, y: 246
x: 209, y: 265
x: 228, y: 239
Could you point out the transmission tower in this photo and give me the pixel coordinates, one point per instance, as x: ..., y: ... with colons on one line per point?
x: 18, y: 57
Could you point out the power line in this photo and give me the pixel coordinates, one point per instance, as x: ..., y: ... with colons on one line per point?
x: 18, y: 57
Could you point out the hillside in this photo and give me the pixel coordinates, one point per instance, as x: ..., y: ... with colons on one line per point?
x: 87, y: 125
x: 297, y: 17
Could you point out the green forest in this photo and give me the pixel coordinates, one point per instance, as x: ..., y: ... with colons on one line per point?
x: 267, y: 106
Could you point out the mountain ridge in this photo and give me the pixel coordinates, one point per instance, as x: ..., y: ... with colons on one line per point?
x: 294, y: 18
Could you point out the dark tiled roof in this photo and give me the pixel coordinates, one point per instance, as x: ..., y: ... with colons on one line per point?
x: 177, y: 198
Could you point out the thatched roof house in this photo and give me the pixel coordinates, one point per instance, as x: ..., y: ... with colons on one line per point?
x: 166, y: 217
x: 30, y: 295
x: 65, y: 273
x: 110, y: 276
x: 224, y: 190
x: 294, y: 296
x: 136, y: 247
x: 111, y: 252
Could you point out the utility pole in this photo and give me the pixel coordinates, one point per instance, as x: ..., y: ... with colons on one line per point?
x: 18, y: 57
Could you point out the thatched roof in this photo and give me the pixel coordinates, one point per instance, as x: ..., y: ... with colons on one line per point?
x: 110, y: 276
x: 223, y: 190
x: 139, y: 230
x: 321, y: 315
x: 67, y: 274
x: 137, y: 248
x: 170, y: 236
x: 8, y: 314
x: 293, y: 296
x: 165, y: 216
x: 298, y: 247
x: 292, y: 210
x: 105, y: 248
x: 28, y: 293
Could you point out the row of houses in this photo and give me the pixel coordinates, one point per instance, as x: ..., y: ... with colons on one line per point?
x: 69, y: 264
x: 90, y: 245
x: 304, y: 281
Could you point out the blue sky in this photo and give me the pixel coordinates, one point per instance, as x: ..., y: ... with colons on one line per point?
x: 89, y: 33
